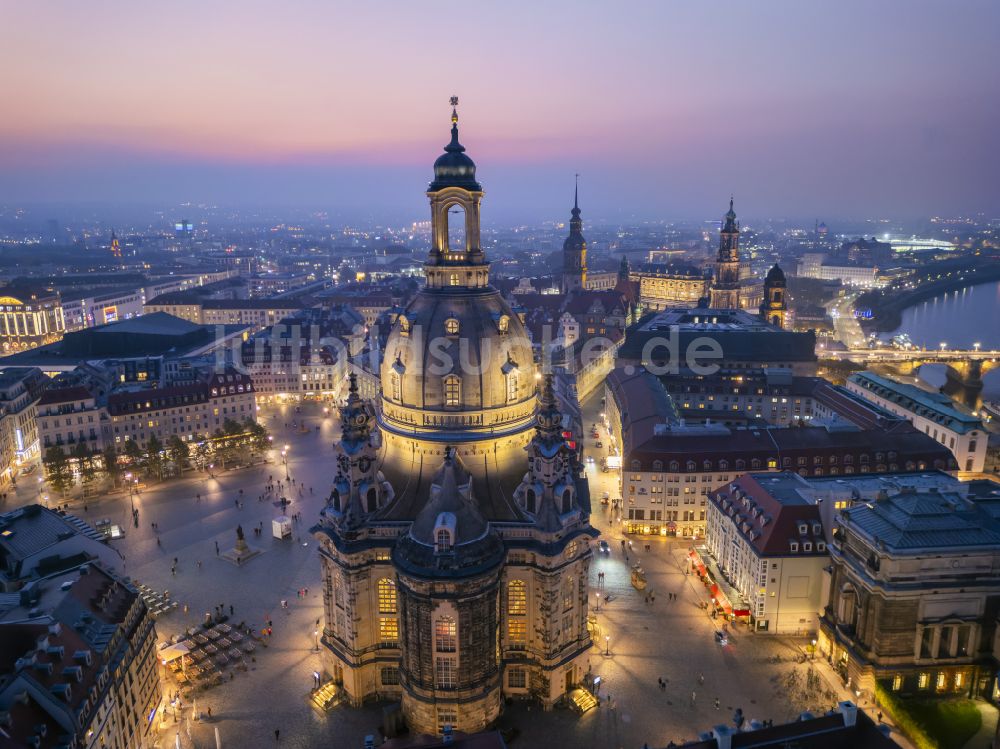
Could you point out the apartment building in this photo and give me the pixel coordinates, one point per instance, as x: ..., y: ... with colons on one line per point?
x: 78, y: 663
x: 669, y: 466
x: 20, y: 389
x: 934, y: 414
x: 765, y: 533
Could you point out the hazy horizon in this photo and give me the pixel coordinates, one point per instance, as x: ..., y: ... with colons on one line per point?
x: 827, y: 110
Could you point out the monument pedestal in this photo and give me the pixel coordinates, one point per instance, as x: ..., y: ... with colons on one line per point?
x: 241, y: 553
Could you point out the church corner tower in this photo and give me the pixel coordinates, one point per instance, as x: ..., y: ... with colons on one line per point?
x: 725, y: 289
x: 774, y: 308
x: 575, y: 251
x: 455, y: 543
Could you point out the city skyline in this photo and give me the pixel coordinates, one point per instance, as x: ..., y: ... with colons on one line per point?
x: 665, y: 112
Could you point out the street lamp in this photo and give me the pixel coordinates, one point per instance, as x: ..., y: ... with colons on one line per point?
x: 315, y: 640
x: 284, y: 461
x: 597, y: 597
x: 944, y: 345
x: 607, y: 644
x: 976, y: 346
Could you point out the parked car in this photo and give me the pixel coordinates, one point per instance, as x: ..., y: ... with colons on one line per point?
x: 29, y: 469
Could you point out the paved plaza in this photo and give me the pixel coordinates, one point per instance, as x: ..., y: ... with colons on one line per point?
x: 669, y: 639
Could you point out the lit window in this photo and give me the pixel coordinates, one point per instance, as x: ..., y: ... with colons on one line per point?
x: 451, y: 326
x: 897, y: 683
x: 511, y: 387
x: 452, y: 391
x: 504, y: 323
x: 386, y: 596
x: 517, y: 634
x: 445, y: 631
x: 923, y: 680
x: 941, y: 680
x: 958, y: 681
x: 517, y: 598
x: 453, y: 279
x: 388, y: 629
x: 394, y: 380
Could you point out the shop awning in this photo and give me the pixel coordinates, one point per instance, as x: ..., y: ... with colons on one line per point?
x: 173, y: 652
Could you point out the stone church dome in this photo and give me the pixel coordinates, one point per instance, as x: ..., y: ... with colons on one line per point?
x: 455, y: 352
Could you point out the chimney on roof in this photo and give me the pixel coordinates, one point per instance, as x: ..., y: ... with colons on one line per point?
x: 850, y: 712
x: 723, y: 736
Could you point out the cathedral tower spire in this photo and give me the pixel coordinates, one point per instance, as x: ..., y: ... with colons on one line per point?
x: 575, y: 249
x: 725, y: 290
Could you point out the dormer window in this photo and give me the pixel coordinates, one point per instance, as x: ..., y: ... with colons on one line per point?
x: 443, y: 540
x: 451, y: 326
x: 793, y: 545
x: 803, y: 529
x: 444, y: 533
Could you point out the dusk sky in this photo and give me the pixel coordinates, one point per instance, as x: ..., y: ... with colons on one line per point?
x: 800, y: 109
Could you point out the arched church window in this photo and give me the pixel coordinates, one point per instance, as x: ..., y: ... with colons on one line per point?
x: 517, y: 598
x: 371, y: 500
x: 451, y: 326
x: 456, y: 229
x: 452, y: 391
x: 335, y: 497
x: 530, y: 501
x: 567, y: 501
x: 511, y: 387
x: 394, y: 386
x: 504, y: 323
x: 445, y: 635
x: 386, y: 596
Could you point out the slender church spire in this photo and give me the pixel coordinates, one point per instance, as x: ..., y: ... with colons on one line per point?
x: 575, y: 248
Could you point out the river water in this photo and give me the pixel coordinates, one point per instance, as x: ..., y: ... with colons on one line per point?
x: 959, y: 319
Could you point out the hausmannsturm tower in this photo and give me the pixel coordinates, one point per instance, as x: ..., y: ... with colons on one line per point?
x: 724, y: 292
x: 456, y: 541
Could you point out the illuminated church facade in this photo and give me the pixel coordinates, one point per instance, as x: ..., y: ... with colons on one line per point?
x: 456, y: 541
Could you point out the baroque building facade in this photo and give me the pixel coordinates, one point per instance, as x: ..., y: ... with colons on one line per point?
x: 455, y: 543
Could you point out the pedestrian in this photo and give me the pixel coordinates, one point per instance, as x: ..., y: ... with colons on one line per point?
x: 701, y: 678
x: 209, y: 712
x: 173, y: 570
x: 693, y: 695
x: 277, y: 734
x: 216, y: 548
x: 879, y: 716
x: 158, y: 542
x: 716, y: 703
x: 199, y: 564
x: 230, y: 609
